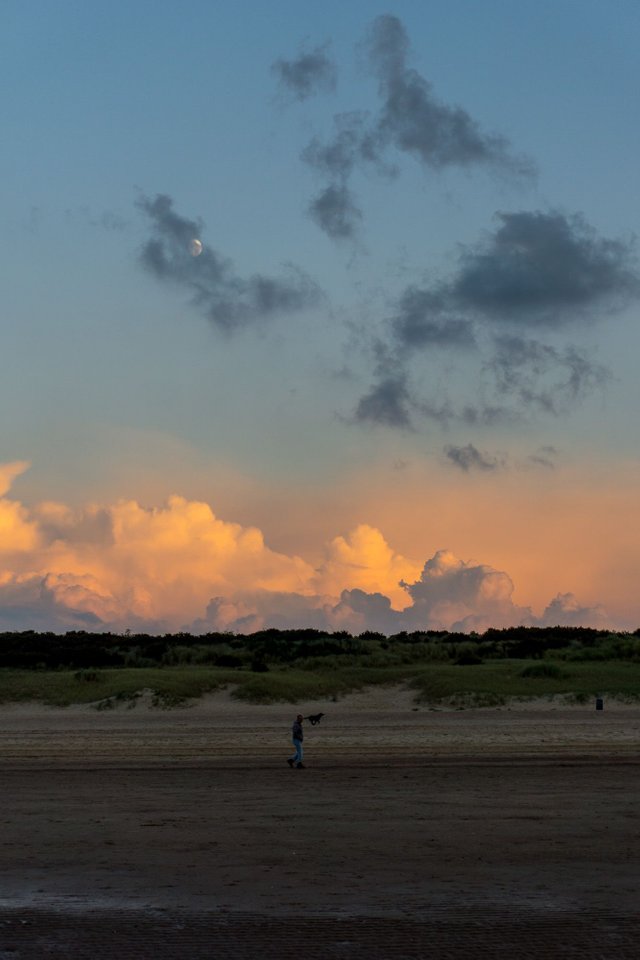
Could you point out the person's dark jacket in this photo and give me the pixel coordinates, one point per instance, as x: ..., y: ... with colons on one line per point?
x: 296, y: 730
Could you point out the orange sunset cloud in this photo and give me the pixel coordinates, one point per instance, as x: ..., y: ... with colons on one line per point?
x: 179, y: 566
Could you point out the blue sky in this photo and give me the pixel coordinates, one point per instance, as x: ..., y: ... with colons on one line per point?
x: 116, y: 385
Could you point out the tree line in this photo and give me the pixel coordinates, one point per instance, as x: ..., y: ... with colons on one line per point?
x: 260, y: 651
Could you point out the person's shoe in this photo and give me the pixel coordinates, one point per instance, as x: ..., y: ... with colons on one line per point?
x: 301, y: 766
x: 290, y: 762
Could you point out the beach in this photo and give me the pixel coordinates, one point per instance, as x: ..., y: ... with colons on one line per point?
x: 413, y: 831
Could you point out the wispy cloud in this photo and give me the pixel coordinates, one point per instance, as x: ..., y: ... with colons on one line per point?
x: 545, y: 456
x: 414, y: 121
x: 389, y: 401
x: 539, y: 376
x: 229, y: 301
x: 312, y: 71
x: 538, y: 275
x: 469, y: 458
x: 411, y: 121
x: 335, y: 212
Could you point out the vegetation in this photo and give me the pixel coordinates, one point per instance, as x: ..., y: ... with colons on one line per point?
x: 305, y: 665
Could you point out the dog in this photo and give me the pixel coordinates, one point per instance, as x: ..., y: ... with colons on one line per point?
x: 316, y: 718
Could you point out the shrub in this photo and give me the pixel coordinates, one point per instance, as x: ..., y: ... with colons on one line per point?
x: 543, y: 670
x: 87, y: 676
x: 468, y: 659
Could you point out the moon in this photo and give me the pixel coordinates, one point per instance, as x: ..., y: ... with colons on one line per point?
x: 195, y: 248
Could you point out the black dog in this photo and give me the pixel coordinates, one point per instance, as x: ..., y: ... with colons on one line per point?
x: 316, y: 718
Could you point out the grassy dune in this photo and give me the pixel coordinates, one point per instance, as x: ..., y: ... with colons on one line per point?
x: 486, y: 684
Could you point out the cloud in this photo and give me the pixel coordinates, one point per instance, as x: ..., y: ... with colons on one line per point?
x: 31, y: 602
x: 543, y: 269
x: 388, y: 403
x: 544, y: 456
x: 230, y: 302
x: 107, y: 220
x: 536, y: 271
x: 179, y: 566
x: 313, y: 71
x: 19, y: 534
x: 537, y: 274
x: 423, y: 320
x: 335, y: 209
x: 8, y: 473
x: 335, y: 212
x: 259, y: 610
x: 452, y: 594
x: 541, y: 376
x: 125, y: 563
x: 449, y: 594
x: 469, y: 458
x: 364, y: 560
x: 564, y: 610
x: 410, y: 120
x: 415, y: 122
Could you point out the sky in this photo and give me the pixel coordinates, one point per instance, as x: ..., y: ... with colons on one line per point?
x: 392, y: 387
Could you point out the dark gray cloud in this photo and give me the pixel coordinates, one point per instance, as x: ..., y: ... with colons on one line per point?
x: 394, y: 400
x: 313, y: 71
x: 410, y: 120
x: 543, y: 268
x: 335, y: 212
x: 469, y: 458
x: 335, y: 209
x: 424, y: 319
x: 537, y: 270
x: 387, y: 403
x: 353, y: 143
x: 537, y: 273
x: 229, y: 301
x: 415, y: 122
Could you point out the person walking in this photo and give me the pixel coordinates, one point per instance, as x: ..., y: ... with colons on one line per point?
x: 297, y: 736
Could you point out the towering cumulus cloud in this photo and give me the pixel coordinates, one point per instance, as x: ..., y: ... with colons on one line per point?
x: 179, y: 566
x: 229, y: 301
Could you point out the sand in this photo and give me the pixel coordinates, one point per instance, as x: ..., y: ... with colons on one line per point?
x: 412, y: 832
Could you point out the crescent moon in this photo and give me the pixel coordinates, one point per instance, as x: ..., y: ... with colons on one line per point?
x: 195, y: 248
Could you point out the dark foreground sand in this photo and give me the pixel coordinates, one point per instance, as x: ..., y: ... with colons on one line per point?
x: 139, y: 833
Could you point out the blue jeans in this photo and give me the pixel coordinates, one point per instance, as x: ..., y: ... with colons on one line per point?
x: 299, y: 751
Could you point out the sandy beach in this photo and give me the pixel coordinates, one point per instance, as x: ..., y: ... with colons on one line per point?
x: 413, y: 832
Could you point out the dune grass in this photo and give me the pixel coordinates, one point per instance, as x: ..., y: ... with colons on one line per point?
x: 490, y: 683
x: 497, y: 681
x: 61, y: 688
